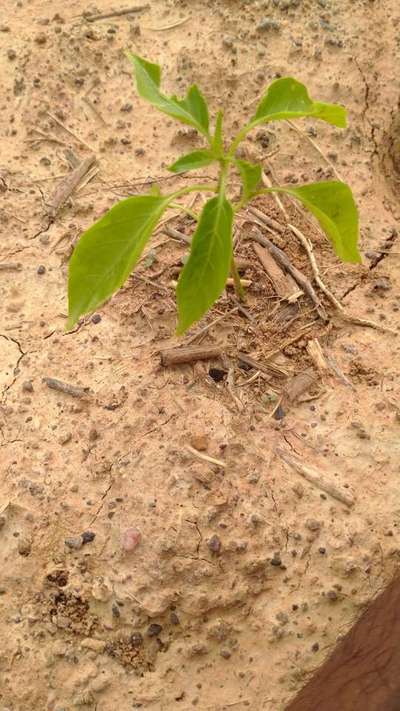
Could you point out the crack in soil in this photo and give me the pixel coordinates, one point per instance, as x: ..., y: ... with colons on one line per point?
x: 365, y: 113
x: 102, y: 502
x: 22, y: 354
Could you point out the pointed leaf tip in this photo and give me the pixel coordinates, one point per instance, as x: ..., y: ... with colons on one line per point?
x: 287, y: 98
x: 333, y: 205
x: 191, y: 110
x: 204, y: 275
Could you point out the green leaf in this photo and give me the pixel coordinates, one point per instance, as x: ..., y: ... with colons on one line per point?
x: 333, y: 205
x: 217, y: 144
x: 192, y: 161
x: 287, y: 98
x: 195, y: 104
x: 191, y: 110
x: 108, y: 251
x: 204, y: 275
x: 251, y: 177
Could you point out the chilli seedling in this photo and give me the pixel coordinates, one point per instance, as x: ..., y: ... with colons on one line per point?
x: 108, y: 251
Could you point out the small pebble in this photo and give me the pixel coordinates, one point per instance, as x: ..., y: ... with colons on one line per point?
x: 88, y: 536
x: 41, y: 38
x: 11, y: 54
x: 65, y: 437
x: 276, y: 560
x: 24, y: 547
x: 215, y: 544
x: 332, y: 595
x: 228, y: 41
x: 199, y: 442
x: 136, y: 639
x: 174, y: 619
x: 96, y: 318
x: 312, y: 524
x: 217, y: 374
x: 265, y: 25
x: 27, y: 386
x: 154, y: 630
x: 74, y: 543
x: 226, y: 653
x: 130, y: 539
x: 41, y: 269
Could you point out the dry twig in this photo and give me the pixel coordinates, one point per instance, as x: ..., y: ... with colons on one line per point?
x: 297, y: 275
x: 332, y: 298
x: 115, y: 13
x: 316, y: 147
x: 316, y: 478
x: 205, y: 457
x: 67, y: 388
x: 176, y: 356
x: 68, y: 185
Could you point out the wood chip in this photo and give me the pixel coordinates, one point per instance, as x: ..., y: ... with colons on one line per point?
x: 297, y: 275
x: 283, y: 284
x: 268, y: 368
x: 176, y: 356
x: 10, y: 266
x: 316, y: 354
x: 266, y: 220
x: 298, y: 385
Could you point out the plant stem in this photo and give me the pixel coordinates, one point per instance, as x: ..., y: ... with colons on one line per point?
x: 194, y: 215
x: 200, y: 188
x: 236, y: 280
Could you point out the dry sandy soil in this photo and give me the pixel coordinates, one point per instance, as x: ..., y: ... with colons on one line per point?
x: 246, y: 574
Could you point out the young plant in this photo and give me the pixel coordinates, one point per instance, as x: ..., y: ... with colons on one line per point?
x: 109, y: 250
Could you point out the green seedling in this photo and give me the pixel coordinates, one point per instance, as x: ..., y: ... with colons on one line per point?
x: 108, y: 251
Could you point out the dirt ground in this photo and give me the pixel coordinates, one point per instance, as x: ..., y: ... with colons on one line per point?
x: 245, y: 574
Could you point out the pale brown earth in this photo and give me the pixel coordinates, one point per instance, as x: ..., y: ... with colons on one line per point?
x: 234, y: 631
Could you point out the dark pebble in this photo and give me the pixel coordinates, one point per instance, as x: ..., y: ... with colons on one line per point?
x: 322, y: 550
x: 279, y: 413
x: 215, y: 544
x: 88, y: 536
x: 41, y: 269
x: 115, y: 610
x: 41, y: 38
x: 315, y: 647
x: 136, y: 639
x: 332, y: 595
x: 276, y: 560
x: 96, y: 318
x: 154, y: 630
x: 174, y: 619
x: 24, y: 547
x: 217, y: 374
x: 11, y: 54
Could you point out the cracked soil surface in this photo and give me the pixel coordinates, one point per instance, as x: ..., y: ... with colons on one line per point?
x: 134, y: 574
